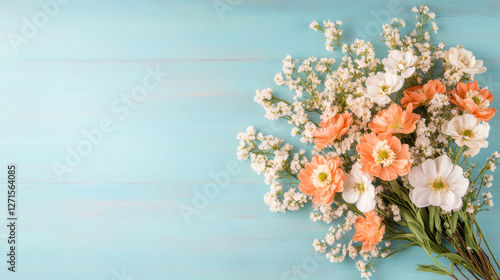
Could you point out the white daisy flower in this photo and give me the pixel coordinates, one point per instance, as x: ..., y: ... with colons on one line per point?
x: 468, y: 131
x: 358, y: 188
x: 438, y: 182
x: 380, y: 86
x: 400, y: 62
x: 464, y: 60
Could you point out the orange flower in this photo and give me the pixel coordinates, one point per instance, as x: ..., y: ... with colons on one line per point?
x: 418, y: 95
x: 332, y: 128
x: 394, y: 120
x: 321, y: 178
x: 470, y: 98
x: 383, y: 156
x: 368, y: 230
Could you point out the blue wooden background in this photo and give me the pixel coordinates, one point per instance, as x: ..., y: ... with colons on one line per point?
x: 117, y: 214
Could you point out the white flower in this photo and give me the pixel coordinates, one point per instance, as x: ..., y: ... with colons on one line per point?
x: 314, y: 25
x: 400, y: 62
x: 470, y: 208
x: 361, y: 265
x: 359, y: 189
x: 380, y: 86
x: 468, y: 131
x: 464, y: 60
x: 438, y: 182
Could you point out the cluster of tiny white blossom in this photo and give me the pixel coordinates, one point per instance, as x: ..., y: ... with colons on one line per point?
x: 269, y: 156
x: 431, y: 140
x: 475, y: 202
x: 418, y: 42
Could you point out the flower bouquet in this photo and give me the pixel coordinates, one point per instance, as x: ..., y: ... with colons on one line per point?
x: 392, y: 143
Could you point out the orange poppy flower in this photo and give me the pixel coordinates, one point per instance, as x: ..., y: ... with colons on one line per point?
x: 468, y: 97
x: 332, y: 128
x: 394, y: 120
x: 383, y: 156
x: 418, y: 95
x: 321, y: 178
x: 368, y: 230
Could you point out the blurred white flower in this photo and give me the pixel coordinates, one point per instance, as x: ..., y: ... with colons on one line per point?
x: 380, y: 86
x: 468, y: 131
x: 401, y: 63
x: 438, y: 182
x: 358, y: 188
x: 464, y: 60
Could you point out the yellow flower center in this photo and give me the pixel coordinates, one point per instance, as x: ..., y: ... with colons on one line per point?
x: 383, y: 90
x: 476, y: 100
x: 383, y: 154
x: 468, y: 133
x: 438, y: 185
x: 396, y: 125
x: 322, y: 176
x: 360, y: 188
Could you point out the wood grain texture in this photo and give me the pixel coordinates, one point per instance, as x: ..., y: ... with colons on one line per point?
x: 116, y: 215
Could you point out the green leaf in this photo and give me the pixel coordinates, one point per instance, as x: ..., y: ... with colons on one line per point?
x: 432, y: 212
x: 395, y: 187
x: 437, y: 235
x: 423, y: 217
x: 437, y: 219
x: 469, y: 234
x: 432, y: 268
x: 453, y: 257
x: 453, y: 222
x: 469, y: 240
x: 407, y: 216
x: 418, y: 231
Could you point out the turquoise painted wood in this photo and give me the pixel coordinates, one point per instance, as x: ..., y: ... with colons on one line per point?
x: 137, y: 104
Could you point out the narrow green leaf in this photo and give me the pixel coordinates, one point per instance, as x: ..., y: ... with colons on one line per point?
x: 453, y: 257
x: 438, y: 237
x: 432, y: 268
x: 432, y: 212
x: 437, y: 220
x: 395, y: 187
x: 419, y: 232
x: 423, y: 217
x: 469, y: 240
x: 453, y: 222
